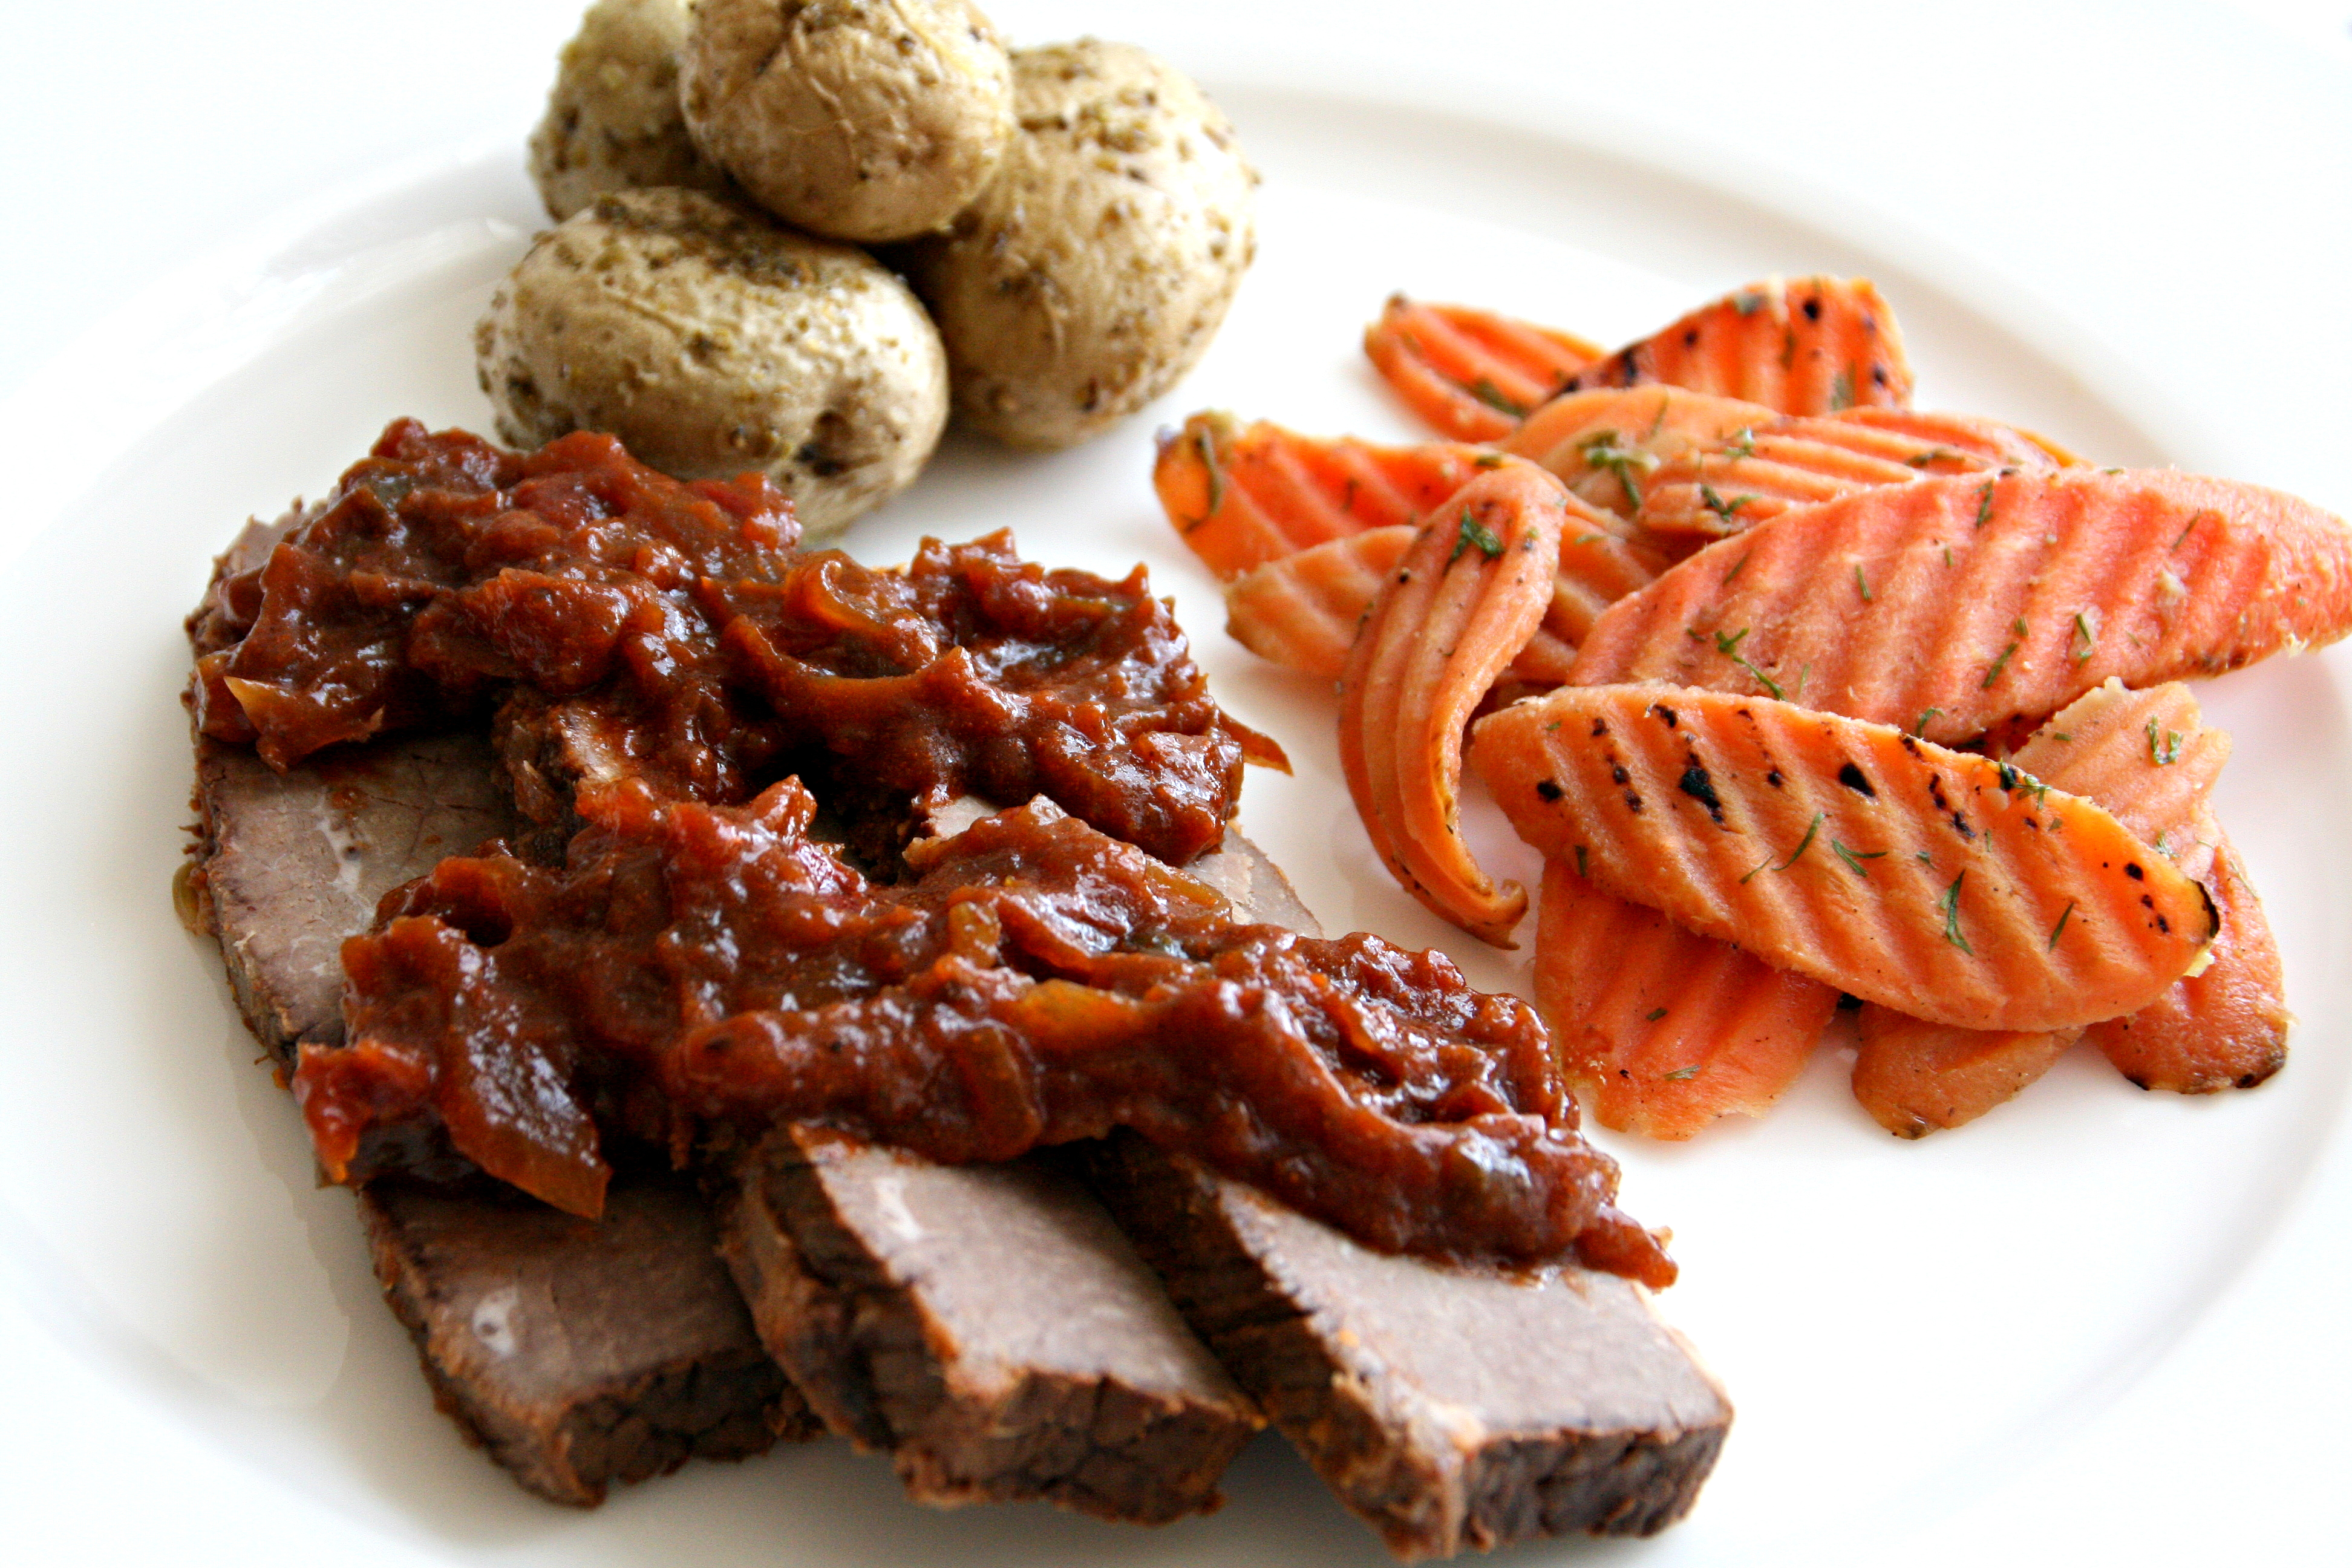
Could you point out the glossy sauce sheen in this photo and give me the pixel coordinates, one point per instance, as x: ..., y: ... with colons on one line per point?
x: 677, y: 958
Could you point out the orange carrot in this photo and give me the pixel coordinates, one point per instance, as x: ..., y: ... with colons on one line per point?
x: 1914, y: 1076
x: 2225, y: 1028
x: 1468, y: 596
x: 1244, y: 495
x: 1813, y: 345
x: 1471, y: 374
x: 2147, y: 758
x: 1302, y: 610
x: 1942, y: 884
x: 1659, y: 1030
x: 1604, y: 445
x: 1964, y: 605
x: 1763, y: 473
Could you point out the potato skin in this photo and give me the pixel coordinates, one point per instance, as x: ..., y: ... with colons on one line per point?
x: 1095, y: 269
x: 862, y: 120
x: 613, y: 120
x: 712, y: 341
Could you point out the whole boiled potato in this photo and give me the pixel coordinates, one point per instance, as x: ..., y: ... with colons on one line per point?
x: 864, y: 119
x: 612, y: 120
x: 712, y: 341
x: 1092, y: 272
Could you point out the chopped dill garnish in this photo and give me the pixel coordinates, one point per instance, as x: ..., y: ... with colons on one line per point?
x: 1921, y: 727
x: 1601, y: 451
x: 1932, y: 455
x: 1477, y: 533
x: 1854, y: 858
x: 2185, y: 527
x: 1728, y: 646
x: 2059, y: 929
x: 1950, y: 904
x: 1748, y: 302
x: 1580, y: 860
x: 1998, y: 666
x: 1494, y: 398
x: 1654, y: 1014
x: 1682, y: 1075
x: 1737, y: 568
x: 1484, y: 460
x: 1947, y: 555
x: 1984, y: 504
x: 1841, y: 390
x: 1717, y: 505
x: 1802, y: 844
x: 2086, y: 629
x: 1591, y: 538
x: 2163, y: 756
x: 1742, y: 444
x: 1861, y: 582
x: 1208, y: 450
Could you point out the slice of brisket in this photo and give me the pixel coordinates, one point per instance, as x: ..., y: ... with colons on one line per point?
x: 1448, y: 1408
x: 577, y: 1354
x: 985, y: 1325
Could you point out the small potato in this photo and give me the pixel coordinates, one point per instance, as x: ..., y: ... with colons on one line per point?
x: 612, y: 120
x: 712, y: 341
x: 863, y: 120
x: 1093, y: 271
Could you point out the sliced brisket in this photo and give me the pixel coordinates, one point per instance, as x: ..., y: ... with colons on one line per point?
x: 985, y: 1325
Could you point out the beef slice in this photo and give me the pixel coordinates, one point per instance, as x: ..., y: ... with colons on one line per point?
x: 985, y: 1325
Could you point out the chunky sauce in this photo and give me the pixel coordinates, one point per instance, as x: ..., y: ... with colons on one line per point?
x: 678, y: 957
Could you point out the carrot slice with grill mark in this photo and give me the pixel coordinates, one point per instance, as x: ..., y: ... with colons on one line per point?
x: 2151, y: 761
x: 1965, y: 605
x: 1932, y: 881
x: 1730, y: 488
x: 1662, y: 1031
x: 1243, y: 495
x: 1473, y: 374
x: 1468, y: 595
x: 1604, y: 445
x: 1809, y: 345
x: 2225, y: 1028
x: 1302, y: 610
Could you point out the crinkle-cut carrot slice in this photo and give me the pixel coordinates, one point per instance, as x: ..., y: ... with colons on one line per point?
x: 1808, y: 346
x: 1916, y: 1078
x: 1606, y: 445
x: 1473, y: 374
x: 2224, y: 1027
x: 1302, y: 610
x: 1761, y: 473
x: 1243, y: 495
x: 1938, y: 883
x: 1465, y: 601
x: 1659, y: 1030
x: 1967, y: 605
x: 2151, y: 761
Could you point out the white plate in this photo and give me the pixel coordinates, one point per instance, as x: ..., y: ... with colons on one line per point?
x: 1903, y: 1326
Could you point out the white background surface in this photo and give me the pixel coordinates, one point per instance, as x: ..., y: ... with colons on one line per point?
x: 2162, y: 194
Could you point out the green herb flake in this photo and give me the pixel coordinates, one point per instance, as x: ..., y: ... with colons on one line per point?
x: 2059, y: 929
x: 1654, y: 1014
x: 1494, y: 398
x: 1921, y: 727
x: 1737, y: 568
x: 1853, y: 858
x: 1475, y: 533
x: 1207, y: 447
x: 1802, y: 844
x: 1861, y: 582
x: 1580, y: 860
x: 1841, y: 390
x: 1950, y: 904
x: 2086, y: 632
x: 1998, y: 666
x: 1741, y: 445
x: 1947, y: 555
x: 1728, y: 645
x: 1932, y: 455
x: 1601, y: 451
x: 1682, y: 1075
x: 1484, y: 460
x: 1720, y: 507
x: 2166, y: 753
x: 1591, y: 538
x: 1984, y: 504
x: 1748, y: 302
